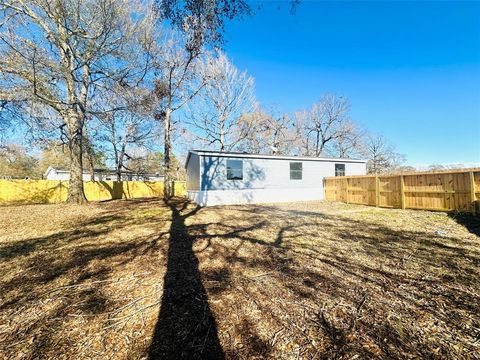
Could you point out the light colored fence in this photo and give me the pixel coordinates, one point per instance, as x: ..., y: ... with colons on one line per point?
x: 50, y: 191
x: 455, y: 190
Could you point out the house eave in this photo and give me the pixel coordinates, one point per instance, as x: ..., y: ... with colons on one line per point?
x: 273, y: 157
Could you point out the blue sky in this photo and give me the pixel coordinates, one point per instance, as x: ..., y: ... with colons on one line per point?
x: 410, y: 69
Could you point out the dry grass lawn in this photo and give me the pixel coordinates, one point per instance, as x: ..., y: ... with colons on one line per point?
x: 142, y: 279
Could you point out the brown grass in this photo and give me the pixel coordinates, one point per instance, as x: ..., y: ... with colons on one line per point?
x: 138, y: 278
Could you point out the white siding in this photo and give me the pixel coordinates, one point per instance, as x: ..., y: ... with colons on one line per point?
x: 193, y: 172
x: 270, y: 173
x: 264, y: 179
x: 253, y: 196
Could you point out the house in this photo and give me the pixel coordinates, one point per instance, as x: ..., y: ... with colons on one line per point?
x: 101, y: 175
x: 221, y: 178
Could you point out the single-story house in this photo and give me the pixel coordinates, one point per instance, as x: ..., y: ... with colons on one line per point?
x: 101, y: 175
x: 222, y: 178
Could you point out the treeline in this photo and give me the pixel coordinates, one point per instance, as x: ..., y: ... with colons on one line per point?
x: 108, y: 82
x: 18, y: 163
x: 110, y: 72
x: 326, y: 129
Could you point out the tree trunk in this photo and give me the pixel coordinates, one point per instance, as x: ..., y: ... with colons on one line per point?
x: 119, y: 161
x: 89, y: 150
x: 118, y: 172
x: 168, y: 147
x: 91, y: 165
x: 222, y: 135
x: 76, y: 193
x: 317, y: 143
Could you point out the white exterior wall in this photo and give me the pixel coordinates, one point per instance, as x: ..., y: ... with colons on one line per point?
x: 193, y: 172
x: 264, y: 180
x: 54, y: 175
x: 253, y: 196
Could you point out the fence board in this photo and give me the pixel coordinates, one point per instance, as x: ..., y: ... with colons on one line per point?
x: 457, y: 190
x: 50, y: 191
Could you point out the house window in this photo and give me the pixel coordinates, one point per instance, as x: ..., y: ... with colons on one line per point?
x: 234, y: 169
x: 295, y: 171
x: 339, y: 169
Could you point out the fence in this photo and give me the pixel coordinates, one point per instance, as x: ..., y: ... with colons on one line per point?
x: 50, y: 191
x: 457, y: 190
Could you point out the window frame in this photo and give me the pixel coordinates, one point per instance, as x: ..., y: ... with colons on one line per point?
x: 227, y: 170
x: 336, y: 170
x: 296, y: 171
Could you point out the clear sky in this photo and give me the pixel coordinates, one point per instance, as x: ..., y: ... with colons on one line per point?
x: 410, y: 69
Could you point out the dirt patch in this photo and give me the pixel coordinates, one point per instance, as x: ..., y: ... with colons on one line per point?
x: 142, y: 279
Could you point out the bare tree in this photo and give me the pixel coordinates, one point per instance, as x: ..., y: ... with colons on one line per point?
x: 324, y: 123
x: 403, y: 169
x: 350, y: 141
x: 58, y: 54
x: 382, y: 156
x: 303, y: 144
x: 228, y: 94
x: 434, y: 167
x: 141, y: 160
x: 128, y: 127
x: 267, y: 133
x: 55, y: 154
x: 255, y: 142
x: 201, y: 22
x: 178, y: 81
x: 89, y: 152
x: 5, y: 121
x: 15, y: 162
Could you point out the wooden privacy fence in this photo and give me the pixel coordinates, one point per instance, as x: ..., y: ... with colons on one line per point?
x: 51, y: 191
x: 455, y: 190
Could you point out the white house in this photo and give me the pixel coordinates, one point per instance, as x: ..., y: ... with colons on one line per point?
x: 101, y: 175
x: 221, y: 178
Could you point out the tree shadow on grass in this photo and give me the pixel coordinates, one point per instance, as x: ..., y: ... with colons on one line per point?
x: 69, y: 252
x: 470, y: 222
x: 323, y: 257
x: 185, y: 328
x: 250, y: 255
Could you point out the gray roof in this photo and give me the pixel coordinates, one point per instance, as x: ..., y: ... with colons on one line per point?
x: 233, y: 154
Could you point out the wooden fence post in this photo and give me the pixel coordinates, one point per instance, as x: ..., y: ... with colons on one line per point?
x: 415, y: 192
x: 324, y: 183
x: 472, y: 193
x: 402, y: 192
x: 346, y: 190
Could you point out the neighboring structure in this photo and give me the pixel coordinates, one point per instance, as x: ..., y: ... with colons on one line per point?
x: 221, y: 178
x: 101, y: 175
